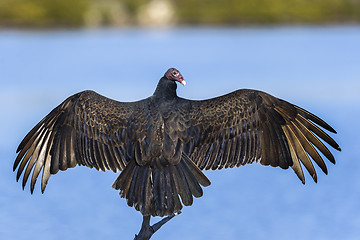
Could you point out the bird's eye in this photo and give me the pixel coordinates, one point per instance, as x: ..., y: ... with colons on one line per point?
x: 175, y: 74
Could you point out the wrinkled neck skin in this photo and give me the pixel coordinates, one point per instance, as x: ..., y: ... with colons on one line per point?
x: 166, y: 89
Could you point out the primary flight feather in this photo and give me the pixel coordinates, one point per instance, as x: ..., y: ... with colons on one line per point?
x: 161, y: 144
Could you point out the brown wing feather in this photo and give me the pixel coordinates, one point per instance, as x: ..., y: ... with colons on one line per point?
x: 86, y: 129
x: 246, y: 126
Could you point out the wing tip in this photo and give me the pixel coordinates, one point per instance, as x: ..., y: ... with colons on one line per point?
x: 18, y: 175
x: 18, y: 149
x: 328, y: 127
x: 314, y: 177
x: 43, y: 188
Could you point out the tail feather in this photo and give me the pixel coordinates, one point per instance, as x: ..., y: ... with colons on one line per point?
x: 134, y: 187
x: 125, y: 181
x: 182, y: 186
x: 199, y: 175
x: 154, y: 189
x: 146, y: 198
x: 164, y: 193
x: 192, y: 182
x: 177, y: 202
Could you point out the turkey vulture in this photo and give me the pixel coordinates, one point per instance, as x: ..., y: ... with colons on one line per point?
x: 162, y: 143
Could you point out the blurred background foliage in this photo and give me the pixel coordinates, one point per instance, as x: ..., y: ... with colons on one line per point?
x: 94, y: 13
x: 42, y: 13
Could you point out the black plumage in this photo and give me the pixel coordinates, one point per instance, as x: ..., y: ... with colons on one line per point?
x: 161, y: 144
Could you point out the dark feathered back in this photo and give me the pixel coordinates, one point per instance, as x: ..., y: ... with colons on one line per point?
x: 162, y: 143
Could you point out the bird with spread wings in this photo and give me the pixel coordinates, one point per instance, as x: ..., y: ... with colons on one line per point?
x: 162, y: 143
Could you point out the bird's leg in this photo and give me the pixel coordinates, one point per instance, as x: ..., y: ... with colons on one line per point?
x: 147, y: 231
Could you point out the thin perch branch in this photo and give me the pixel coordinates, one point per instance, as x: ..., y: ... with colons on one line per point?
x: 147, y: 231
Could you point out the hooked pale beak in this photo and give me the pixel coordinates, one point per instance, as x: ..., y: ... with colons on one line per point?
x: 182, y: 81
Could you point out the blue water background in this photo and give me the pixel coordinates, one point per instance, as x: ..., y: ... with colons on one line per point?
x: 317, y: 68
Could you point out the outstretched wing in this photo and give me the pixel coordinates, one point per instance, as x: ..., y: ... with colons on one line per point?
x: 246, y: 126
x: 86, y: 129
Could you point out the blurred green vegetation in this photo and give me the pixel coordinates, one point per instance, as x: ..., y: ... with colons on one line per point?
x: 268, y: 11
x: 42, y: 13
x: 69, y: 13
